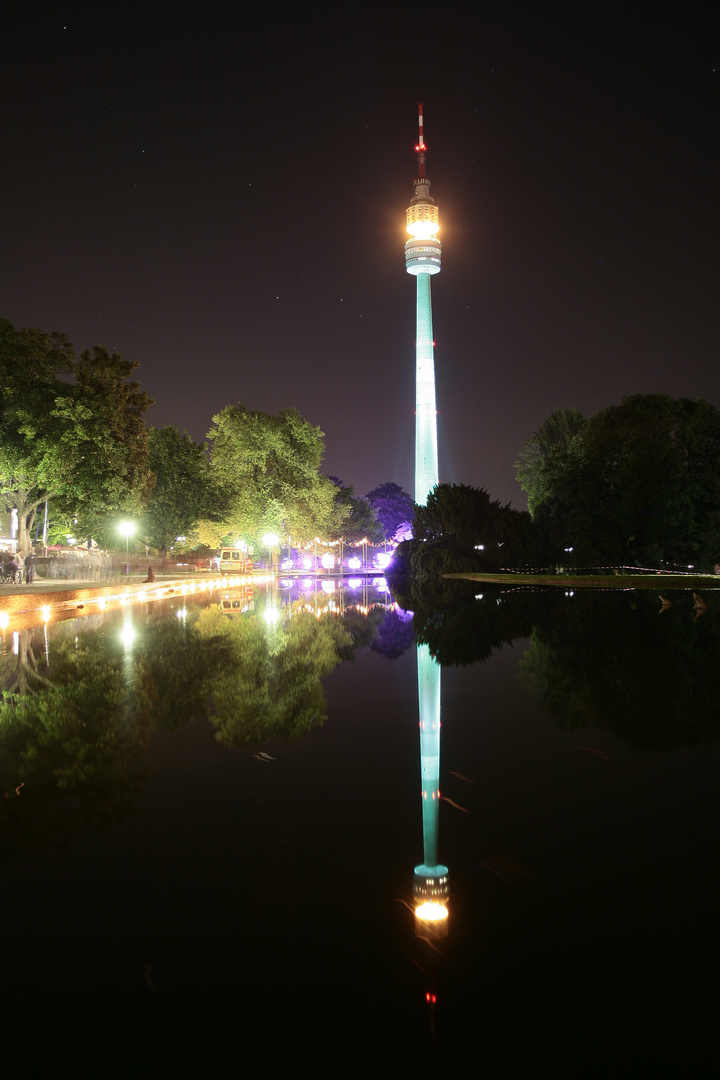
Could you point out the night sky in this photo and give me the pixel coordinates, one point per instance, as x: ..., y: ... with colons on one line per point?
x: 220, y: 194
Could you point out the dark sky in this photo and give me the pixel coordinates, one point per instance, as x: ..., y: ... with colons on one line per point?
x: 220, y: 194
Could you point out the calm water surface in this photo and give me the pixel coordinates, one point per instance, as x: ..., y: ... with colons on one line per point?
x: 210, y: 825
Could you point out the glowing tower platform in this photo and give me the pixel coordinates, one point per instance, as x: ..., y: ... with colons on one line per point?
x: 422, y: 259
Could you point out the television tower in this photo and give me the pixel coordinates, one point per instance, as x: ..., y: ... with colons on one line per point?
x: 422, y: 259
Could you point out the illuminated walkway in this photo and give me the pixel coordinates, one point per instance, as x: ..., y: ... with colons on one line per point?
x: 22, y: 606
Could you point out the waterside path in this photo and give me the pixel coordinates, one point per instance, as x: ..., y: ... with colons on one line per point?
x: 660, y: 580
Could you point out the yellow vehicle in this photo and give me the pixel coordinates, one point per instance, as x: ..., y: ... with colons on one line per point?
x: 235, y: 561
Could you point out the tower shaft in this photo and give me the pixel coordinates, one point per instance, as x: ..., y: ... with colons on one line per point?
x: 426, y: 450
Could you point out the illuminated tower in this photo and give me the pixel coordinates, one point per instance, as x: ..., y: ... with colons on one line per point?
x: 422, y: 259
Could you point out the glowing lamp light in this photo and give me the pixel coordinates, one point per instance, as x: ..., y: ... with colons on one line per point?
x: 45, y: 611
x: 272, y: 615
x: 354, y: 563
x: 423, y: 230
x: 128, y: 635
x: 328, y: 561
x: 431, y: 912
x: 4, y: 620
x: 422, y: 221
x: 307, y: 564
x: 382, y: 560
x: 286, y: 564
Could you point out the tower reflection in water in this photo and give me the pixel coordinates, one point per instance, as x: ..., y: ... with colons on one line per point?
x: 431, y: 889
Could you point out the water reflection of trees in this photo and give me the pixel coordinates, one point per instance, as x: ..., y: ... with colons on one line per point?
x: 611, y: 660
x: 74, y: 733
x: 615, y: 662
x: 72, y: 746
x: 270, y: 682
x: 463, y: 624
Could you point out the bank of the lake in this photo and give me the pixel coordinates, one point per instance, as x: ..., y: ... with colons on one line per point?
x: 655, y: 582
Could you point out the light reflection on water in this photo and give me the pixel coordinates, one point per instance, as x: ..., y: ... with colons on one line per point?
x: 219, y: 816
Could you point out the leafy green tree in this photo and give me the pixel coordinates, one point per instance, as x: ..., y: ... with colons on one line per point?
x: 33, y: 366
x: 70, y: 430
x: 353, y: 518
x: 462, y: 528
x: 469, y: 521
x: 269, y: 468
x: 183, y: 493
x: 549, y: 453
x: 638, y: 482
x: 392, y: 505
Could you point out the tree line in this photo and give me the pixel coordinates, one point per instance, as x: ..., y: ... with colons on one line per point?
x: 635, y: 484
x: 73, y: 434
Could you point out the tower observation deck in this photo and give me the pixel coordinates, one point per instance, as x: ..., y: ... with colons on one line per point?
x: 423, y: 253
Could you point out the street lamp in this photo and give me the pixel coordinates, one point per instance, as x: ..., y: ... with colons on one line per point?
x: 127, y: 528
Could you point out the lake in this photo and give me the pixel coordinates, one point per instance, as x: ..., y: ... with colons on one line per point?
x: 210, y: 824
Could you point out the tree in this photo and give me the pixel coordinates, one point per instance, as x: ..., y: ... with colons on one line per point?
x: 269, y: 468
x: 354, y: 518
x: 70, y: 430
x: 183, y: 493
x: 467, y: 520
x: 392, y: 505
x: 461, y: 528
x: 638, y: 482
x: 32, y: 365
x: 548, y: 453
